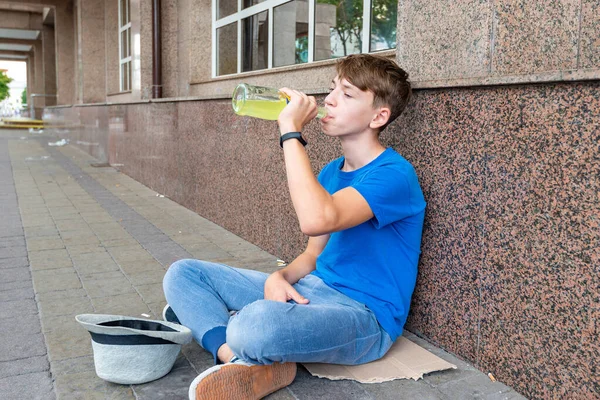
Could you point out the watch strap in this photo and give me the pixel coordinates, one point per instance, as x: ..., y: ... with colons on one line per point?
x: 292, y: 135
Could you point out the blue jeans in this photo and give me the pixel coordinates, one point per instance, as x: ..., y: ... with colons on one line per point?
x: 332, y: 328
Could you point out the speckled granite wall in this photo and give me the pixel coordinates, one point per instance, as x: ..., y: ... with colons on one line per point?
x: 509, y: 271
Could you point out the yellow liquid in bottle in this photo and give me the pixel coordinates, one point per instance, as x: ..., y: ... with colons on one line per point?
x: 261, y: 102
x: 264, y: 109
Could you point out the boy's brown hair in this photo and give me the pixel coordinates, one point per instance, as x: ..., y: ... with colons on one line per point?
x: 383, y: 77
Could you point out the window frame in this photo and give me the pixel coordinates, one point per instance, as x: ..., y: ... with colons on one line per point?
x: 269, y: 5
x: 127, y: 60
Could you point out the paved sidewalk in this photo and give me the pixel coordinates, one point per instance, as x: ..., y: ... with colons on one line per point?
x: 78, y: 239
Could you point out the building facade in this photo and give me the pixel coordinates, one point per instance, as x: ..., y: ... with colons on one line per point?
x: 503, y: 130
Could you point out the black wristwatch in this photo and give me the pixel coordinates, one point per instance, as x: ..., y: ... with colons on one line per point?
x: 291, y: 135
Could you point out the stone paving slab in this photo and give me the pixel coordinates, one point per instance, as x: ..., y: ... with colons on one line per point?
x: 87, y: 239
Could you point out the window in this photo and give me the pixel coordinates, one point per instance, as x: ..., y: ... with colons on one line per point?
x: 124, y: 46
x: 250, y: 35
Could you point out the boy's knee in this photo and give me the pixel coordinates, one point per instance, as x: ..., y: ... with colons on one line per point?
x: 253, y: 334
x: 175, y: 274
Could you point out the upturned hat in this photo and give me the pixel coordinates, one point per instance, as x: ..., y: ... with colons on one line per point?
x: 130, y: 350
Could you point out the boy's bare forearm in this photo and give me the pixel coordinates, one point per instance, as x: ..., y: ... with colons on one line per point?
x: 303, y: 265
x: 311, y: 201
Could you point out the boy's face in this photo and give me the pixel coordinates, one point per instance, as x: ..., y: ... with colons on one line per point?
x: 349, y: 109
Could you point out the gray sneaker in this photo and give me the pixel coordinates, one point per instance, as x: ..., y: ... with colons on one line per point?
x: 169, y: 315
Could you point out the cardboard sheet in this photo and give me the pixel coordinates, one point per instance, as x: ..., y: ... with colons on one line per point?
x: 405, y: 360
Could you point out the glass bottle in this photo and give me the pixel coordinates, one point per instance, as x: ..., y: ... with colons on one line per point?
x: 262, y: 102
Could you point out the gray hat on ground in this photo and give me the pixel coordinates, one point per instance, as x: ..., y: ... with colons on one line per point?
x: 131, y: 350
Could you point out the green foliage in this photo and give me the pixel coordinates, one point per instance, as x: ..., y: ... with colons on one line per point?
x: 24, y: 96
x: 383, y: 24
x: 349, y: 21
x: 4, y: 81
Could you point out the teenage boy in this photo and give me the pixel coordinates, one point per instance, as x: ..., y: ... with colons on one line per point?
x: 345, y: 299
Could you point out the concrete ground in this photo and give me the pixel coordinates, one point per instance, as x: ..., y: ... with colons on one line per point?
x: 77, y: 239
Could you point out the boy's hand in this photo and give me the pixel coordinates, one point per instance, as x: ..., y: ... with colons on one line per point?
x: 278, y: 289
x: 299, y: 111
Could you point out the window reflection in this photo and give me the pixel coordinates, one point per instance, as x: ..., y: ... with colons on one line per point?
x: 384, y: 14
x: 227, y: 42
x: 290, y: 33
x: 338, y: 28
x: 255, y: 42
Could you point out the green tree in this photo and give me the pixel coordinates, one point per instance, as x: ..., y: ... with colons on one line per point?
x: 24, y: 96
x: 348, y: 14
x: 4, y: 81
x: 383, y: 23
x: 349, y: 21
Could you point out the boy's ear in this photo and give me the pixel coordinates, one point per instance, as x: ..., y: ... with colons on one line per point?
x: 382, y: 117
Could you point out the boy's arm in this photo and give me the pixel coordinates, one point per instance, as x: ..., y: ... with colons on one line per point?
x: 318, y: 212
x: 279, y: 287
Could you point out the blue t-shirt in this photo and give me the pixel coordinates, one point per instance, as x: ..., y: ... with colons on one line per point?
x: 375, y: 263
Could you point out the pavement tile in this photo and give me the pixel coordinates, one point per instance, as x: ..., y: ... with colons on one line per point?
x: 17, y: 294
x: 130, y: 253
x: 68, y: 212
x: 91, y: 259
x: 11, y: 231
x: 152, y: 293
x: 478, y: 386
x: 200, y: 359
x: 147, y: 277
x: 189, y: 238
x: 45, y: 243
x: 49, y: 259
x: 40, y: 231
x: 55, y: 279
x: 12, y: 241
x: 92, y: 218
x: 13, y: 251
x: 102, y: 275
x: 89, y: 239
x: 34, y: 386
x: 24, y: 366
x: 107, y: 287
x: 209, y: 255
x: 68, y: 343
x: 120, y: 242
x: 134, y: 267
x: 14, y: 262
x: 156, y: 309
x: 125, y: 304
x: 72, y: 365
x: 28, y: 324
x: 86, y: 385
x: 403, y: 389
x: 113, y: 234
x: 76, y: 249
x: 15, y: 284
x: 91, y: 267
x: 167, y: 253
x: 174, y: 385
x: 60, y: 294
x: 65, y: 306
x: 15, y: 274
x: 148, y: 238
x: 306, y: 386
x: 72, y: 224
x: 18, y: 346
x: 35, y: 220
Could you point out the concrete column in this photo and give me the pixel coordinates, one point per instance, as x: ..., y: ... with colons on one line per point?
x: 30, y: 79
x: 65, y: 53
x: 38, y: 88
x: 49, y: 64
x: 92, y: 54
